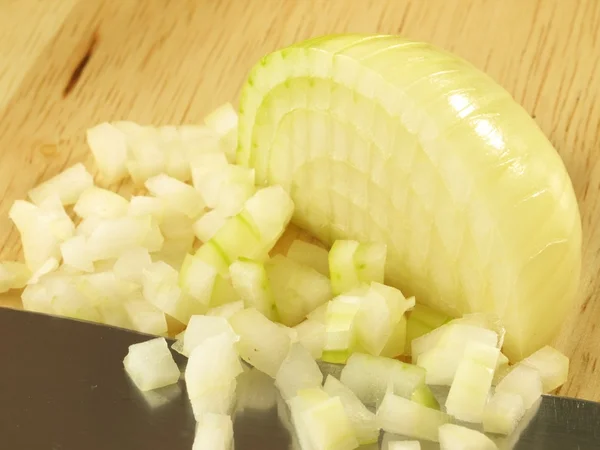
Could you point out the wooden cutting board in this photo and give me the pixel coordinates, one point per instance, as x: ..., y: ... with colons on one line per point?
x: 66, y: 65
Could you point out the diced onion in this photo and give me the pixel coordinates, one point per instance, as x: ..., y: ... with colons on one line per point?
x: 150, y: 364
x: 455, y: 437
x: 214, y: 432
x: 67, y: 185
x: 298, y: 371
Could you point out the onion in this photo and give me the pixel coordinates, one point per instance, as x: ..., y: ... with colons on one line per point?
x: 13, y: 275
x: 298, y: 371
x: 454, y: 437
x: 310, y: 255
x: 145, y: 317
x: 552, y: 366
x: 75, y: 254
x: 344, y: 276
x: 207, y: 225
x: 67, y: 185
x: 200, y: 328
x: 472, y: 382
x: 404, y: 445
x: 340, y: 333
x: 441, y: 351
x: 147, y: 206
x: 197, y: 279
x: 401, y: 416
x: 97, y: 202
x: 227, y: 310
x: 362, y: 420
x: 523, y: 381
x: 250, y: 281
x: 224, y: 121
x: 215, y: 432
x: 109, y: 147
x: 255, y: 391
x: 404, y: 379
x: 50, y: 265
x: 178, y: 195
x: 321, y: 422
x: 262, y: 343
x: 131, y: 264
x: 311, y: 334
x: 422, y: 320
x: 150, y: 364
x: 381, y: 139
x: 297, y: 289
x: 160, y: 287
x: 502, y: 413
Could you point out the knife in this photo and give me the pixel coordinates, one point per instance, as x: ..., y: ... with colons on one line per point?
x: 63, y: 387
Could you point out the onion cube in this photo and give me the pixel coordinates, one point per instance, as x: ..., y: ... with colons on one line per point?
x: 298, y: 371
x: 455, y: 437
x: 150, y: 364
x: 214, y: 432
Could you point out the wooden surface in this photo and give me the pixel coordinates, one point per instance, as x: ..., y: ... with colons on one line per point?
x: 68, y: 64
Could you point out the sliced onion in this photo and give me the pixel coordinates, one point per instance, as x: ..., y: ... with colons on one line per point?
x: 455, y: 437
x: 150, y: 364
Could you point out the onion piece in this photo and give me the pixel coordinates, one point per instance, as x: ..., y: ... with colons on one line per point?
x: 147, y: 206
x: 200, y: 328
x: 552, y: 366
x: 13, y: 275
x: 130, y: 265
x: 369, y: 260
x: 75, y: 254
x: 401, y: 416
x: 255, y: 391
x: 98, y: 202
x: 204, y: 164
x: 340, y: 333
x: 208, y: 225
x: 523, y: 381
x: 321, y: 422
x: 311, y: 334
x: 342, y: 270
x: 113, y: 237
x: 224, y: 121
x: 404, y: 445
x: 197, y: 279
x: 383, y: 372
x: 150, y: 365
x: 214, y: 432
x: 262, y: 343
x: 373, y: 323
x: 50, y: 265
x: 362, y: 420
x: 178, y: 195
x: 310, y: 255
x: 298, y: 371
x: 455, y: 437
x: 250, y: 281
x: 67, y: 185
x: 502, y: 413
x: 297, y: 289
x: 472, y: 382
x: 227, y: 310
x: 160, y: 287
x: 422, y: 320
x: 145, y: 317
x: 109, y: 147
x: 396, y: 344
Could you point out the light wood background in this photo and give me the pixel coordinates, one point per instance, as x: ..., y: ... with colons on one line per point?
x: 66, y: 65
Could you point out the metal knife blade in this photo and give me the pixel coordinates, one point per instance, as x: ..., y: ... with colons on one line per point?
x: 63, y: 387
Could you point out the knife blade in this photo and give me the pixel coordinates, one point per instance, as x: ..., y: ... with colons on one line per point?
x: 63, y: 387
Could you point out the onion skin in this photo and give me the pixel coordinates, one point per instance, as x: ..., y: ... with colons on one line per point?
x: 384, y: 139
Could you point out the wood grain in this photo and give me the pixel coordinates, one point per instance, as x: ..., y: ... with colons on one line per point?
x: 68, y: 64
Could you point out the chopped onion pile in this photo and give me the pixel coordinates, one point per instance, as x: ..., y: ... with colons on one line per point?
x: 193, y: 253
